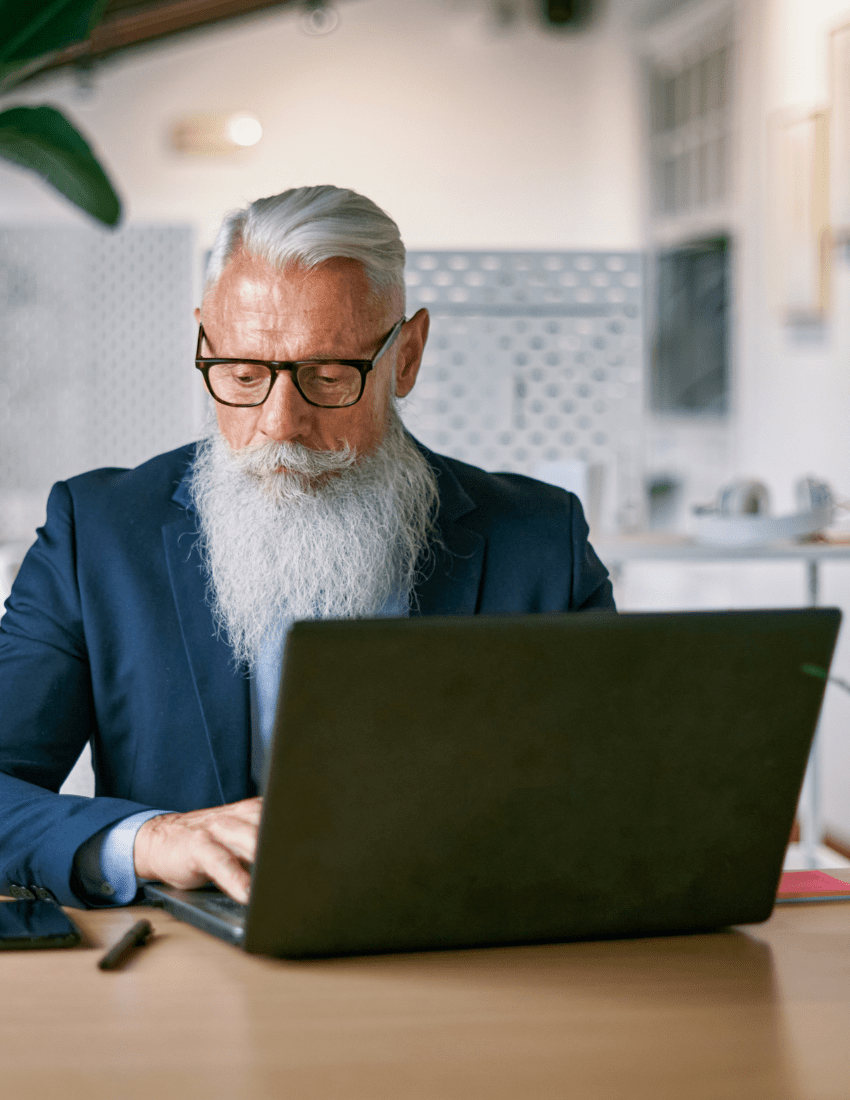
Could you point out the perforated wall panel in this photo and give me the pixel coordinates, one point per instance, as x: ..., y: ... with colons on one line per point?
x: 96, y: 343
x: 534, y: 358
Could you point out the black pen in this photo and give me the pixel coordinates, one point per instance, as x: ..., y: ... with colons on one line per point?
x: 136, y: 937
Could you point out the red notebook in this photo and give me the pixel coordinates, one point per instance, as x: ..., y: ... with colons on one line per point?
x: 811, y: 886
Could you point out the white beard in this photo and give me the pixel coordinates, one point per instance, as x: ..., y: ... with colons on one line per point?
x: 327, y: 536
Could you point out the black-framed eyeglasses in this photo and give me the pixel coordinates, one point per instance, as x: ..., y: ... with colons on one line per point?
x: 325, y: 383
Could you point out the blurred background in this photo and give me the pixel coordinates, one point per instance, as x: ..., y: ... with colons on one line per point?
x: 630, y: 219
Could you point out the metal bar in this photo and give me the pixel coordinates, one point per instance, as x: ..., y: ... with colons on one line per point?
x: 809, y: 810
x: 814, y: 583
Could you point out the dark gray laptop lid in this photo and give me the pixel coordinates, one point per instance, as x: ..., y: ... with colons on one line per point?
x: 470, y: 781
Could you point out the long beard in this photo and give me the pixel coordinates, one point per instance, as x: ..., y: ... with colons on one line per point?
x: 288, y: 533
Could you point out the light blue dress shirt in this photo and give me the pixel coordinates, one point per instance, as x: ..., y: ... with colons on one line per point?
x: 104, y: 863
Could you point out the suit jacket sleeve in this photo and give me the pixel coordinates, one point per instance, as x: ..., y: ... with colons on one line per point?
x: 47, y: 715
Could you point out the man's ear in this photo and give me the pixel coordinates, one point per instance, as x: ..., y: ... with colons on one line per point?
x: 198, y: 315
x: 411, y: 346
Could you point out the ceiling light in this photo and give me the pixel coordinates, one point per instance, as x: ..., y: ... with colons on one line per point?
x: 244, y: 129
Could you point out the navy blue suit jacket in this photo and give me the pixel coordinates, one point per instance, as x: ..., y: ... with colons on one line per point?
x: 108, y: 637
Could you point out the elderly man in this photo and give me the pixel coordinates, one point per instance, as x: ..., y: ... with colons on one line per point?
x: 150, y: 615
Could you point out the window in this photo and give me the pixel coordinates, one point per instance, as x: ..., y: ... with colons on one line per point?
x: 690, y: 367
x: 689, y: 134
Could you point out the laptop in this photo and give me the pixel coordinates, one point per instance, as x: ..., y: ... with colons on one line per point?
x: 466, y: 782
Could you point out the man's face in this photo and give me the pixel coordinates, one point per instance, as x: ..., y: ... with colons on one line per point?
x: 257, y: 312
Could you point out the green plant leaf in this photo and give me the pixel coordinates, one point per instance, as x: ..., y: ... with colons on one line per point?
x: 30, y: 28
x: 33, y: 30
x: 42, y: 140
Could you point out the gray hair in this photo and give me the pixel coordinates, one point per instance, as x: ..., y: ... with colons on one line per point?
x: 309, y: 225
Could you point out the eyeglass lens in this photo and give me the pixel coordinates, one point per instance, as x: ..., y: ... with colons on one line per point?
x: 327, y: 384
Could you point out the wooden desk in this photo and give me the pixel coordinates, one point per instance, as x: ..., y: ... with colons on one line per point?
x: 758, y: 1013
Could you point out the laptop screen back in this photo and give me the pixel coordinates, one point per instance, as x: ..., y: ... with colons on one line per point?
x: 454, y: 782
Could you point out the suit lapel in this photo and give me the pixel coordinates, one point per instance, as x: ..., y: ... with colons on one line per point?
x: 453, y: 577
x: 222, y: 693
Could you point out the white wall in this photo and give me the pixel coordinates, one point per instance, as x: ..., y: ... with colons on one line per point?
x: 793, y: 392
x: 467, y: 135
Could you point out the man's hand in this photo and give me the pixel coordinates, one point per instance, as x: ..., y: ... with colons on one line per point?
x: 189, y: 850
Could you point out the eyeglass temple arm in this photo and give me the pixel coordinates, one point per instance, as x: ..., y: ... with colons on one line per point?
x: 396, y: 329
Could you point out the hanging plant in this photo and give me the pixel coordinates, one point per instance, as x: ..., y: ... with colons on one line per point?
x: 41, y: 138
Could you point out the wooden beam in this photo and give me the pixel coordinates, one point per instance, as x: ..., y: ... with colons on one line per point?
x: 158, y: 19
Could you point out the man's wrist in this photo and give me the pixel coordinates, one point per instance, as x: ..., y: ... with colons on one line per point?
x: 104, y: 866
x: 142, y: 843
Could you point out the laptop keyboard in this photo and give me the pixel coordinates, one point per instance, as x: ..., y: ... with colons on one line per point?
x: 223, y: 906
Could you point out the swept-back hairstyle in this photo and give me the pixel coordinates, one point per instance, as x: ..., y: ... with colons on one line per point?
x: 308, y: 225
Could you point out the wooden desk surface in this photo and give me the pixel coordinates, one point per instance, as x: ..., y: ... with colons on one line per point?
x: 758, y: 1013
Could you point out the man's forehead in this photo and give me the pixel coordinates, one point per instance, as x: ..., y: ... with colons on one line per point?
x: 251, y: 286
x: 251, y: 274
x: 323, y: 312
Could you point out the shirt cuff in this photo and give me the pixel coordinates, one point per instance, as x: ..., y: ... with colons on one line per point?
x: 104, y: 863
